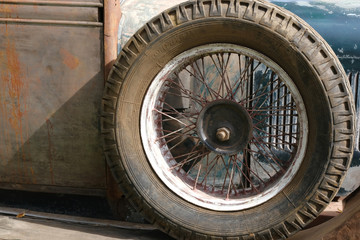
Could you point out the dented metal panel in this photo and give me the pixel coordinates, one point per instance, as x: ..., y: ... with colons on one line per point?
x: 51, y: 81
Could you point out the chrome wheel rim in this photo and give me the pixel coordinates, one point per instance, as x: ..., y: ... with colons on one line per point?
x: 224, y: 127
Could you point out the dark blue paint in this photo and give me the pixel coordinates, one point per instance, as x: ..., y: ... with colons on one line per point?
x: 340, y: 27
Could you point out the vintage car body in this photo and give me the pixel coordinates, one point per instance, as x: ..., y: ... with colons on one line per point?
x: 54, y: 61
x: 52, y: 76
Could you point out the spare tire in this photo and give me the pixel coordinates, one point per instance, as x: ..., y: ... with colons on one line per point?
x: 228, y: 119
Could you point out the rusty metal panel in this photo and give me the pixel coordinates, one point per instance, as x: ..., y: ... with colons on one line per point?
x: 51, y: 81
x: 88, y: 13
x: 112, y: 15
x: 16, y: 11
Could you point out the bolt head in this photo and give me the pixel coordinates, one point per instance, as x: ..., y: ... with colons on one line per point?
x: 223, y: 134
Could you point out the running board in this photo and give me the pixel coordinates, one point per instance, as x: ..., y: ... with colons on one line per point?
x: 23, y: 213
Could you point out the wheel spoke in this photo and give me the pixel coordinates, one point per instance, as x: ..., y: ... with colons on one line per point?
x: 167, y: 115
x: 268, y: 153
x: 239, y: 83
x: 247, y: 179
x: 277, y: 136
x: 211, y: 92
x: 179, y: 135
x: 208, y: 171
x: 249, y: 169
x: 203, y: 81
x: 227, y: 126
x: 188, y: 94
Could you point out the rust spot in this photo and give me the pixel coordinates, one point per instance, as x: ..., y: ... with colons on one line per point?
x: 7, y: 10
x: 15, y: 85
x: 13, y: 106
x: 21, y: 215
x: 49, y: 69
x: 33, y: 176
x: 69, y: 60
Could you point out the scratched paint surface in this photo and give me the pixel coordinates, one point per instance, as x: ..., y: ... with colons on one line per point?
x: 51, y: 82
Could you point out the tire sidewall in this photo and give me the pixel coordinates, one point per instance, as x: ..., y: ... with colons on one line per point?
x: 223, y: 30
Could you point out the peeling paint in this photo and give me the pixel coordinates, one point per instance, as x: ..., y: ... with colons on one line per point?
x: 353, y: 15
x: 304, y: 3
x: 346, y: 4
x: 349, y: 57
x: 69, y: 60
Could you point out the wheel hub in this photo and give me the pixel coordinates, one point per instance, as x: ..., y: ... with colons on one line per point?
x: 224, y: 126
x: 202, y: 141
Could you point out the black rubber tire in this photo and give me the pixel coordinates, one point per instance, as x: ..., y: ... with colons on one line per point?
x: 289, y: 42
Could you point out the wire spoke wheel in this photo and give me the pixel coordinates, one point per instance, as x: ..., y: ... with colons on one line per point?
x: 224, y: 127
x: 228, y: 120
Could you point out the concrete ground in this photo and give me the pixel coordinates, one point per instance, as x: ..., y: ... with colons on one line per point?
x: 345, y: 226
x: 12, y: 228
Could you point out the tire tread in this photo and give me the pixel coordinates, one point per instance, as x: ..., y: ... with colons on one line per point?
x: 302, y: 37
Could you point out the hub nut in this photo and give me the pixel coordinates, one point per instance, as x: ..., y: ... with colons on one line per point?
x: 223, y: 134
